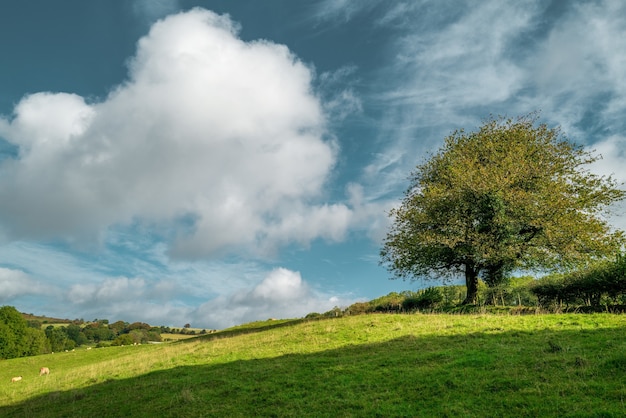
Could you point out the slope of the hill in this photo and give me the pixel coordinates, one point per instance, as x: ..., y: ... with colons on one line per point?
x: 370, y: 365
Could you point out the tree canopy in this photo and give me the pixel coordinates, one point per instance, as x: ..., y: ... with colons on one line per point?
x: 16, y: 338
x: 514, y: 194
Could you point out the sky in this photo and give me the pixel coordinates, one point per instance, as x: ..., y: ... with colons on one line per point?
x: 220, y: 162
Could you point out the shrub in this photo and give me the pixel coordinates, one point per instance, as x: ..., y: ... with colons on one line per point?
x: 389, y: 303
x: 124, y: 339
x: 598, y: 284
x: 359, y: 308
x: 428, y: 298
x: 335, y: 312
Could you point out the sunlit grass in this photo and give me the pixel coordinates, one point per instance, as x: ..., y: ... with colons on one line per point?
x: 374, y: 365
x: 165, y: 336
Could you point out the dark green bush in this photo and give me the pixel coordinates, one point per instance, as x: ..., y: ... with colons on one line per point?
x: 428, y: 298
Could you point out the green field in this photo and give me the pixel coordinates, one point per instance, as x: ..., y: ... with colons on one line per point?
x: 369, y: 365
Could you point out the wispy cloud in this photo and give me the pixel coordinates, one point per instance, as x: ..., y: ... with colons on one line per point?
x: 152, y: 10
x: 343, y: 10
x: 452, y: 64
x: 340, y: 96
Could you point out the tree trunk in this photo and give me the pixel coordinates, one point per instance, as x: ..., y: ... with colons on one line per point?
x: 471, y: 283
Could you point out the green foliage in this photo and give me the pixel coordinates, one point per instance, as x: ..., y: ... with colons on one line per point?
x: 428, y: 298
x: 118, y: 327
x: 124, y: 339
x: 12, y: 325
x: 389, y: 303
x: 512, y: 195
x: 17, y: 339
x: 514, y: 291
x: 22, y: 337
x: 98, y: 332
x: 36, y: 342
x: 333, y: 313
x: 453, y: 294
x: 34, y: 323
x: 59, y: 339
x: 602, y: 283
x: 519, y: 292
x: 74, y: 333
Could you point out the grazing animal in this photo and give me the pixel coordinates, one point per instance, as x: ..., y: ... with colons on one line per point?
x: 16, y: 379
x: 44, y: 370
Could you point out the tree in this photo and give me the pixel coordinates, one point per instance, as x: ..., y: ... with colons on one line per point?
x: 58, y: 339
x: 75, y: 333
x: 36, y: 342
x: 98, y: 331
x: 124, y: 339
x: 513, y: 195
x: 17, y: 339
x: 12, y: 329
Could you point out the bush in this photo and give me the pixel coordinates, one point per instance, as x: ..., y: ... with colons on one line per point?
x: 124, y: 339
x: 428, y: 298
x: 390, y: 303
x: 335, y: 312
x: 603, y: 283
x: 359, y: 308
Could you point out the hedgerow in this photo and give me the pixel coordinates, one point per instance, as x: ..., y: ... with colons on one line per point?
x: 600, y: 284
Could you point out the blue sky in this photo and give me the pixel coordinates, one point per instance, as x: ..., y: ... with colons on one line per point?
x: 219, y: 162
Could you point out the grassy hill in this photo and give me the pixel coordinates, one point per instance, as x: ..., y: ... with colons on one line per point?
x: 368, y: 365
x: 44, y: 319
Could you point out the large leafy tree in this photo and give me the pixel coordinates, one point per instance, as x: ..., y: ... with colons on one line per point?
x: 515, y: 194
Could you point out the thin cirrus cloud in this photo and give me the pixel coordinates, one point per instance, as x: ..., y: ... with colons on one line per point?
x: 452, y: 64
x: 151, y: 10
x: 222, y: 140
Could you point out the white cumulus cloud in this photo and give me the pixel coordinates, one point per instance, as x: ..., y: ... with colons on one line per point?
x: 281, y: 294
x: 223, y: 141
x: 16, y: 283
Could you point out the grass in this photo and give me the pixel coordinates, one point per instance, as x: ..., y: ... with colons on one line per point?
x: 165, y: 336
x: 372, y: 365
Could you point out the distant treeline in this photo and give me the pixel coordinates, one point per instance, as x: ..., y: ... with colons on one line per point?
x: 20, y: 337
x: 27, y: 335
x: 99, y: 333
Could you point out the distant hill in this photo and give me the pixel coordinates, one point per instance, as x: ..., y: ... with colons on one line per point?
x: 45, y: 319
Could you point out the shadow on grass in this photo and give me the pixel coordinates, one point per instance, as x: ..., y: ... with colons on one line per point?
x: 543, y: 373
